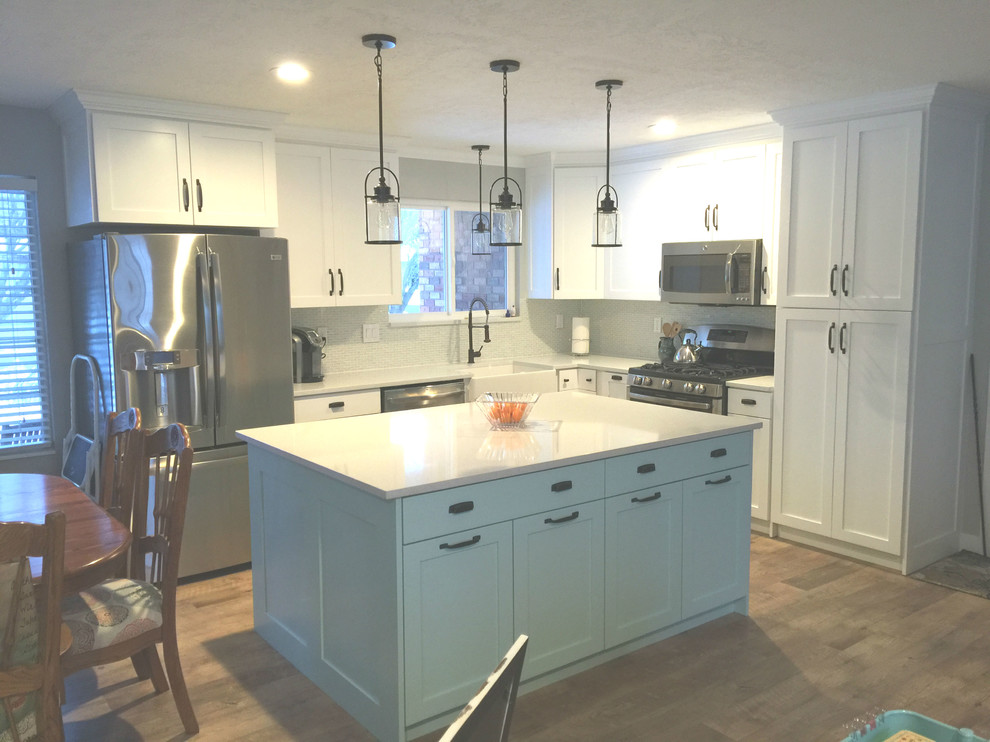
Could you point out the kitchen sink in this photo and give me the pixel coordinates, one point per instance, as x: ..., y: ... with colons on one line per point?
x: 505, y: 380
x: 503, y: 369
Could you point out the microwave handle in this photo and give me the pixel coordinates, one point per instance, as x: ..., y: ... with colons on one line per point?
x: 728, y: 273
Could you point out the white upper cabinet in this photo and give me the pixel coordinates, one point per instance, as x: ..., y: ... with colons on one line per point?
x: 849, y: 206
x: 156, y: 170
x: 578, y: 268
x: 632, y: 271
x: 320, y: 190
x: 715, y: 195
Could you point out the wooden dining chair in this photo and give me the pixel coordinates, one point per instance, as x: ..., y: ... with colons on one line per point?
x: 126, y: 618
x: 122, y: 447
x: 30, y: 626
x: 486, y: 717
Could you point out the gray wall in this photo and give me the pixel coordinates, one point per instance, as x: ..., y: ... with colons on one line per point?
x: 30, y: 144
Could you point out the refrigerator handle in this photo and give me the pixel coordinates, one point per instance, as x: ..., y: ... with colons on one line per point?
x: 202, y: 266
x: 221, y: 378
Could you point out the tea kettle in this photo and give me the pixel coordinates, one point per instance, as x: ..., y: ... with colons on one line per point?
x: 688, y: 352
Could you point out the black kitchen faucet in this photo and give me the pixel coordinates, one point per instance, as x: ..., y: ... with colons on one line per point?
x: 472, y: 353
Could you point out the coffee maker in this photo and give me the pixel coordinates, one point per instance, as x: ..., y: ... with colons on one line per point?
x: 307, y: 355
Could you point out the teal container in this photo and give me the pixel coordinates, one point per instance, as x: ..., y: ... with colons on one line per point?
x: 890, y: 723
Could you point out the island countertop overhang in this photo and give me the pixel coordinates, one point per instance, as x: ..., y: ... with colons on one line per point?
x: 412, y: 452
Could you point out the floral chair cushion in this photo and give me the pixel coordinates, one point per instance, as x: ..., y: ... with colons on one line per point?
x: 111, y: 612
x: 19, y: 639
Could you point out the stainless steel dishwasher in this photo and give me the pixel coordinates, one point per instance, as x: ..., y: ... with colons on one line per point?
x: 415, y: 396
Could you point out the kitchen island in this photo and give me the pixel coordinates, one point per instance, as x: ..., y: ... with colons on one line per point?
x: 397, y: 556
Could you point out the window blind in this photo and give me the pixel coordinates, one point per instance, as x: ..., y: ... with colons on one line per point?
x: 25, y: 407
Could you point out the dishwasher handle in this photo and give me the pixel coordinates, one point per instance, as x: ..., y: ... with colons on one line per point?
x: 417, y: 396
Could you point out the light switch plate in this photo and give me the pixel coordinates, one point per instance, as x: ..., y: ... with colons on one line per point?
x: 322, y: 332
x: 560, y: 322
x: 658, y: 324
x: 371, y: 333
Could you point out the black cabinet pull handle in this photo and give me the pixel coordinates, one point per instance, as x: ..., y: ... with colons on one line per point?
x: 646, y: 468
x: 660, y: 280
x: 748, y: 401
x: 616, y: 377
x: 185, y: 194
x: 845, y: 274
x: 842, y: 338
x: 199, y: 195
x: 341, y: 274
x: 336, y: 405
x: 723, y: 480
x: 708, y: 209
x: 831, y: 338
x: 470, y: 542
x: 763, y: 280
x: 333, y: 283
x: 651, y: 498
x: 561, y: 486
x: 461, y: 507
x: 831, y: 279
x: 715, y: 218
x: 572, y: 516
x: 718, y: 453
x: 558, y: 279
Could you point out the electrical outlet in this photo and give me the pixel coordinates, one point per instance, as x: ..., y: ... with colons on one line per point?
x: 371, y: 333
x: 658, y: 324
x: 322, y: 332
x: 560, y: 322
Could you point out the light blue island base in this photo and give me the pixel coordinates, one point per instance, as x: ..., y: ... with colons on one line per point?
x: 399, y: 603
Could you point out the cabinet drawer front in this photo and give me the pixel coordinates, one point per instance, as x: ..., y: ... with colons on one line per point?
x: 748, y: 402
x: 472, y: 506
x: 641, y: 470
x: 344, y: 404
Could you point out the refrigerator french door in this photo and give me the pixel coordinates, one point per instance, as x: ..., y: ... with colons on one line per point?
x: 195, y: 329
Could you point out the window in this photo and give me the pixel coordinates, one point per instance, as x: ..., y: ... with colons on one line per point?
x: 25, y: 418
x: 440, y: 276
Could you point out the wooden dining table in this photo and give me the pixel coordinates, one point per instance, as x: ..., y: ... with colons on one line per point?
x: 95, y: 542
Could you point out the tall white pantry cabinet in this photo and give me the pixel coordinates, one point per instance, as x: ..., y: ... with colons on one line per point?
x: 879, y: 219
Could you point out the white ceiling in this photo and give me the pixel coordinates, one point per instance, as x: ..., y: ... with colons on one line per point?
x: 709, y: 64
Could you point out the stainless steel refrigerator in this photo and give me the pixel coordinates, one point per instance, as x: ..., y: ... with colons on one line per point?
x: 195, y: 329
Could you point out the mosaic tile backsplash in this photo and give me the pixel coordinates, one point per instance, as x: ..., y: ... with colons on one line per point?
x: 618, y: 328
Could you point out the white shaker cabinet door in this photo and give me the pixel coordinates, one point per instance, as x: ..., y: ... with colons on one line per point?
x: 305, y: 220
x: 883, y: 175
x: 578, y: 268
x: 141, y: 170
x: 811, y: 203
x: 633, y: 270
x: 806, y: 366
x: 871, y: 429
x: 233, y: 170
x: 364, y: 274
x: 737, y: 193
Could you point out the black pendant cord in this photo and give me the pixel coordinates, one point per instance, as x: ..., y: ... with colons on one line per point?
x: 381, y: 136
x: 481, y: 219
x: 608, y: 134
x: 505, y: 129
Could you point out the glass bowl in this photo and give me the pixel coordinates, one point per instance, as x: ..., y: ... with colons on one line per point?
x: 506, y: 410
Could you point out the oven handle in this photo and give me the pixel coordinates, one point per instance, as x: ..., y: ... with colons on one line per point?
x: 685, y: 404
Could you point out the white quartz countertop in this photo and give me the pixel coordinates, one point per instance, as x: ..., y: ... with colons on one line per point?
x: 415, y: 451
x: 755, y: 384
x: 400, y: 375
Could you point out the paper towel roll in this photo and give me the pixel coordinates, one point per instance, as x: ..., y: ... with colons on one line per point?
x: 581, y: 336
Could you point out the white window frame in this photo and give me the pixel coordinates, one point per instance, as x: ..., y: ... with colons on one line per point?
x: 451, y: 317
x: 35, y: 436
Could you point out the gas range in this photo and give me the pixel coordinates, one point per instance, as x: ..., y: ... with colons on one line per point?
x: 727, y: 352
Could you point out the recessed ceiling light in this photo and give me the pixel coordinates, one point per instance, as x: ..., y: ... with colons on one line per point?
x: 291, y: 72
x: 663, y: 128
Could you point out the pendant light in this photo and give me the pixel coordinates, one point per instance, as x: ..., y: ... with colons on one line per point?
x: 481, y: 234
x: 607, y: 214
x: 381, y: 216
x: 506, y: 213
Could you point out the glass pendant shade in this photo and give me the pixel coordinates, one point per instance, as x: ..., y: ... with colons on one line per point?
x: 607, y: 221
x: 381, y: 205
x: 481, y: 225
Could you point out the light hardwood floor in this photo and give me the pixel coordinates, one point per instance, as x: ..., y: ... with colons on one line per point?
x: 827, y: 640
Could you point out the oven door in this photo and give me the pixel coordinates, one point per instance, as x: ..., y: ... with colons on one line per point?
x: 682, y: 401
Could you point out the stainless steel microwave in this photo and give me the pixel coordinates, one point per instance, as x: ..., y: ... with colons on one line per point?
x: 725, y: 272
